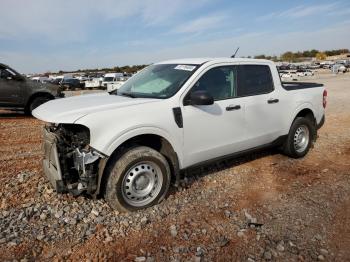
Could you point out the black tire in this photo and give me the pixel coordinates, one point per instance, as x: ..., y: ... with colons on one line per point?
x: 36, y: 102
x: 290, y: 147
x: 125, y: 197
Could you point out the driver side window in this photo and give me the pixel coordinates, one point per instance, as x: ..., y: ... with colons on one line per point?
x: 219, y: 82
x: 4, y: 74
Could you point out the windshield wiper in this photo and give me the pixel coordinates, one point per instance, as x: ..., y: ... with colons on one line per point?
x: 127, y: 94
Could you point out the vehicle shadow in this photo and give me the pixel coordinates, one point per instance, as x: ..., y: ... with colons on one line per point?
x: 191, y: 175
x: 13, y: 114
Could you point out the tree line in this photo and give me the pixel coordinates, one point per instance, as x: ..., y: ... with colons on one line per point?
x: 298, y: 56
x: 116, y: 69
x: 287, y: 56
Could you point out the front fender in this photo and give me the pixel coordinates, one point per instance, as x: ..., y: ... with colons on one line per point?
x: 125, y: 135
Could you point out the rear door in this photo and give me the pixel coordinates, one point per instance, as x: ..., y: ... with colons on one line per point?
x: 262, y: 103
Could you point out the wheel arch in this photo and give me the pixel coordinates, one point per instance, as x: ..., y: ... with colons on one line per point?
x: 154, y: 141
x: 35, y: 95
x: 307, y: 112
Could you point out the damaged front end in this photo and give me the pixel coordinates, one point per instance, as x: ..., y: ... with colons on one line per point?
x: 69, y: 162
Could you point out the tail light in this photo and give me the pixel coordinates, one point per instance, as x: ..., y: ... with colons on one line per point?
x: 324, y: 98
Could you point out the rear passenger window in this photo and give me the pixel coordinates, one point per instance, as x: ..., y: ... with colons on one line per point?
x: 254, y: 80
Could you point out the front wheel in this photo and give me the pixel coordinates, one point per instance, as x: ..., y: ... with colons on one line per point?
x: 140, y: 178
x: 300, y: 138
x: 36, y: 102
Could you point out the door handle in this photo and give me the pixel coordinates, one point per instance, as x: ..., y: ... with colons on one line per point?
x: 272, y: 101
x: 232, y: 107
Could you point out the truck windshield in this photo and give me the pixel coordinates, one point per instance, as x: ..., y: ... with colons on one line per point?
x: 157, y: 81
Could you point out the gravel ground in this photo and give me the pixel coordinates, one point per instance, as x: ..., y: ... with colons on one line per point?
x: 264, y: 206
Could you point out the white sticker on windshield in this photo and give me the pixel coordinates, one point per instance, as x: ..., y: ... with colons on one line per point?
x: 185, y: 67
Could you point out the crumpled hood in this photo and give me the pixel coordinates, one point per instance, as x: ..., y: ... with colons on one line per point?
x: 68, y: 110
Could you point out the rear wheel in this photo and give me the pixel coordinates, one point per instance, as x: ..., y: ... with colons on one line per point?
x: 300, y: 138
x: 140, y: 178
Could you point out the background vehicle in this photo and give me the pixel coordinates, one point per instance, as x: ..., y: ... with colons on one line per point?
x: 41, y: 79
x: 110, y: 78
x: 285, y: 74
x: 20, y: 93
x: 284, y: 67
x: 111, y: 86
x: 304, y: 72
x: 314, y: 66
x: 95, y: 82
x: 128, y: 145
x: 338, y: 68
x: 70, y: 83
x: 56, y: 81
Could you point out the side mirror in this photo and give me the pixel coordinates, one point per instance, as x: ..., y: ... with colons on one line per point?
x: 16, y: 77
x: 20, y: 78
x: 201, y: 98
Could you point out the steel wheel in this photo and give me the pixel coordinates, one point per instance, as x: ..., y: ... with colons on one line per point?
x: 301, y: 138
x: 142, y: 183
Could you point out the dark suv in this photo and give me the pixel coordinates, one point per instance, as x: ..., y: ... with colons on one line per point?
x: 19, y: 93
x: 70, y: 83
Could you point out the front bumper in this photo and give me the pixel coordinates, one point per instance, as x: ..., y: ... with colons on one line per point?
x: 68, y: 168
x: 51, y: 163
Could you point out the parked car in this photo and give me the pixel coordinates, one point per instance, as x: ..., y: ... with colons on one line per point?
x: 314, y: 66
x: 119, y: 81
x: 110, y: 78
x: 20, y: 93
x: 304, y: 72
x: 129, y: 144
x: 338, y: 68
x: 326, y: 65
x: 41, y: 79
x: 82, y: 79
x: 56, y: 81
x: 285, y: 74
x: 93, y: 83
x: 284, y: 67
x: 70, y: 83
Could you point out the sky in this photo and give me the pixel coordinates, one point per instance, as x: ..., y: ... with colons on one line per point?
x: 51, y: 35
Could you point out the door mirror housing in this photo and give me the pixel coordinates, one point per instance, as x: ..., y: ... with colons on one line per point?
x: 201, y: 98
x: 16, y: 77
x: 19, y: 78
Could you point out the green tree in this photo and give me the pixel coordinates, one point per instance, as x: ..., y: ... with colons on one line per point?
x: 288, y: 56
x: 321, y: 56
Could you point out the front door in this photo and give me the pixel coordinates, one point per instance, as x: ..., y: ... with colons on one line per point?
x: 10, y: 89
x: 216, y: 130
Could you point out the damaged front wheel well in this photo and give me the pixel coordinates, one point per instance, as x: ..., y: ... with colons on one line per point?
x: 155, y: 142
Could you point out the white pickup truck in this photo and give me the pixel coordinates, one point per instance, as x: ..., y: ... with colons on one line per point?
x: 128, y: 145
x: 110, y: 78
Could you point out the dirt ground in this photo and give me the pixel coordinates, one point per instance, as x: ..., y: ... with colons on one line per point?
x: 264, y: 206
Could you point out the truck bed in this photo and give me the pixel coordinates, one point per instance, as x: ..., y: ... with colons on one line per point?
x: 299, y: 85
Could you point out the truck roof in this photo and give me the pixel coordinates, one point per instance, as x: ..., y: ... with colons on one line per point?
x: 112, y: 74
x: 199, y: 61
